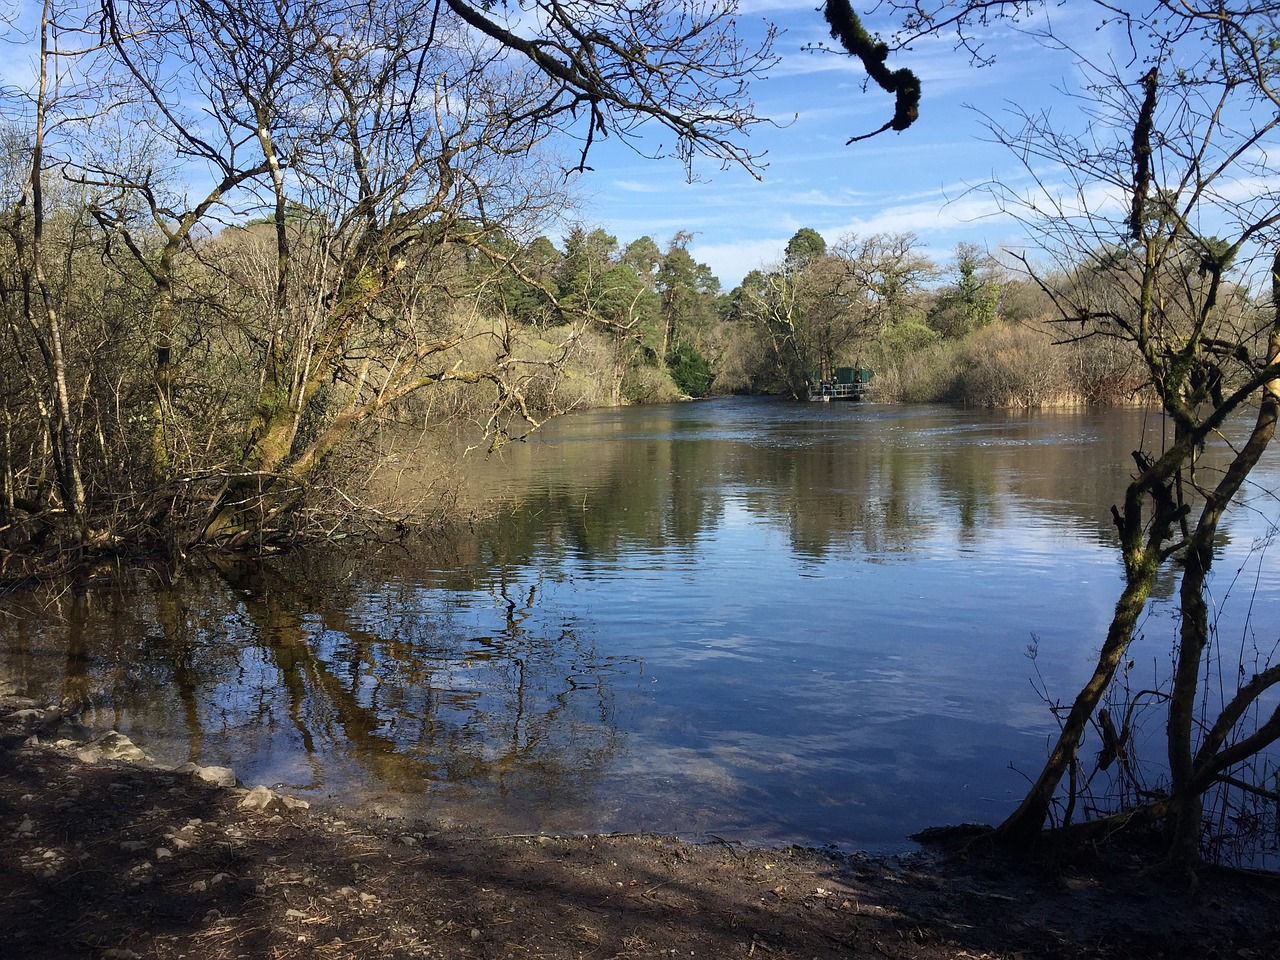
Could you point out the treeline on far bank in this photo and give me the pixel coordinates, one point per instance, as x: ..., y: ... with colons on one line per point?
x: 968, y: 331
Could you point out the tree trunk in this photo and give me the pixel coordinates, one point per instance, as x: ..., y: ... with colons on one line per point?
x: 1026, y: 822
x: 1193, y: 638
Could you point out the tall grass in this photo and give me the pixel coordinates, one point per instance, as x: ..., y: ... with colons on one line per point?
x: 1010, y: 366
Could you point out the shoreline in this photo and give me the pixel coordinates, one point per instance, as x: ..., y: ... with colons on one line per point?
x: 117, y: 859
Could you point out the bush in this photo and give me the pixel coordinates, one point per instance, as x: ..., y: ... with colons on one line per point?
x: 1002, y: 365
x: 690, y: 370
x: 649, y: 385
x: 1016, y: 366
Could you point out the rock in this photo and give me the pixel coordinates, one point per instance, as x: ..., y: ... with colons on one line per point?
x: 218, y: 776
x: 28, y: 718
x: 263, y: 798
x: 112, y: 745
x: 164, y: 853
x: 26, y: 827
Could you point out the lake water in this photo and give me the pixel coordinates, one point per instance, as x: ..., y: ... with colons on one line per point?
x: 754, y: 620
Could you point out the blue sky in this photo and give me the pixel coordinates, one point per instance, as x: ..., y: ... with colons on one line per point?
x: 925, y: 180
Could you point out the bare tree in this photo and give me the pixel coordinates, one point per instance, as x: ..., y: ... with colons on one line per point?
x: 1164, y: 211
x: 382, y: 149
x: 31, y: 299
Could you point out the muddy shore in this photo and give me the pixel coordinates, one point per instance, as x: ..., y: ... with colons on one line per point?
x: 110, y: 858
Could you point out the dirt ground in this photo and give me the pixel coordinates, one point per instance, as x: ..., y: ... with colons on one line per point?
x: 116, y: 859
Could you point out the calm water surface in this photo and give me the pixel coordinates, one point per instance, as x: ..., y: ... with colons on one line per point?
x: 755, y: 620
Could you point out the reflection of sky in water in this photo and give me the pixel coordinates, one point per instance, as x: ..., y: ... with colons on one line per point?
x: 763, y: 621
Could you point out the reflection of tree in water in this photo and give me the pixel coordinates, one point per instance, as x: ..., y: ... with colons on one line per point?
x: 416, y: 696
x: 337, y: 653
x: 132, y: 653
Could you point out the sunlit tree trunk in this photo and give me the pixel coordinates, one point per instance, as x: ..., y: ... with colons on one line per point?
x: 45, y: 321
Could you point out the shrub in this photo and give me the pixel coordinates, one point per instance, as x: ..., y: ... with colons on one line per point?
x: 649, y: 385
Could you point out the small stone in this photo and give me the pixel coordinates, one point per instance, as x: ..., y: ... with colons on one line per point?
x: 133, y: 846
x: 218, y: 776
x: 164, y: 853
x: 218, y: 879
x: 199, y: 886
x: 213, y: 916
x: 294, y: 915
x: 26, y: 827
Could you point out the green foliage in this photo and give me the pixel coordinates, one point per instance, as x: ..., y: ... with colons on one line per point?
x: 644, y: 257
x: 690, y: 370
x: 970, y: 303
x: 908, y: 336
x: 805, y: 247
x: 526, y: 289
x: 294, y: 212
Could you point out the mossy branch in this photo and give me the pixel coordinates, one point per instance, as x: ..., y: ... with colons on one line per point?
x: 848, y: 31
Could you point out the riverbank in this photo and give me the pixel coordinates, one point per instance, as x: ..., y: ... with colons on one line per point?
x: 118, y: 859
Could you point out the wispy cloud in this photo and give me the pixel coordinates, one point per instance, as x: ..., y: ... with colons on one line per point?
x: 639, y: 186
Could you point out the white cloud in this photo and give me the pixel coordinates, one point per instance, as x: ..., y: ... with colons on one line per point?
x: 732, y: 261
x: 639, y: 186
